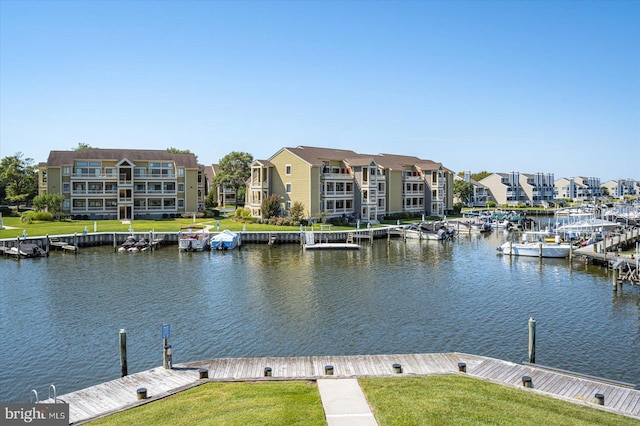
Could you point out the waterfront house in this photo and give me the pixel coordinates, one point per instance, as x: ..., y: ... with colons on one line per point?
x: 123, y: 183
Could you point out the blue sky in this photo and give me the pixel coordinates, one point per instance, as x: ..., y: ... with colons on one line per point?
x: 544, y: 86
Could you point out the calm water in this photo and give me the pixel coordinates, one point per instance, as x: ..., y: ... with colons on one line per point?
x: 60, y: 316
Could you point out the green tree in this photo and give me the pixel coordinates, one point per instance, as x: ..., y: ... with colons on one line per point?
x: 479, y: 176
x: 233, y: 171
x: 173, y: 150
x: 211, y: 201
x: 18, y: 179
x: 297, y: 210
x: 462, y: 190
x: 51, y: 203
x: 271, y: 206
x: 81, y: 146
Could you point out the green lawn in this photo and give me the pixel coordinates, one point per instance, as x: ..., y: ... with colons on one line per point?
x: 262, y: 403
x: 458, y: 400
x: 161, y: 225
x: 425, y: 400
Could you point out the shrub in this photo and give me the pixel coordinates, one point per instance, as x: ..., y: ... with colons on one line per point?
x: 491, y: 204
x: 6, y: 211
x: 31, y: 216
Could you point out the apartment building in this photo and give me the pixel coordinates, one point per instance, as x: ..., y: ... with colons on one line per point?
x: 578, y: 188
x: 337, y: 182
x: 515, y: 188
x: 124, y: 183
x: 622, y: 188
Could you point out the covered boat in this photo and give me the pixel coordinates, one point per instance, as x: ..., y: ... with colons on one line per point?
x: 225, y: 240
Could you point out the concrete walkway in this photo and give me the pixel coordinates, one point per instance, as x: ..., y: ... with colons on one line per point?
x: 344, y: 403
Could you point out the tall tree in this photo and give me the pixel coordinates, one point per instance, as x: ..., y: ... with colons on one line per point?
x: 233, y: 171
x: 462, y: 190
x: 18, y: 179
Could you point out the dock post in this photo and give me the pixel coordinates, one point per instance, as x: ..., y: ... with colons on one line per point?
x: 539, y: 249
x: 532, y: 340
x: 614, y: 279
x: 123, y: 352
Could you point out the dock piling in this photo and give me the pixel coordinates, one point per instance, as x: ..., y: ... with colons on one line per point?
x: 123, y: 352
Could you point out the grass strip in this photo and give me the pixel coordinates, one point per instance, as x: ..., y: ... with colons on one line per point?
x: 236, y: 403
x: 453, y: 400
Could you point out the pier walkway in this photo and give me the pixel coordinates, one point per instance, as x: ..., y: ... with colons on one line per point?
x: 117, y: 395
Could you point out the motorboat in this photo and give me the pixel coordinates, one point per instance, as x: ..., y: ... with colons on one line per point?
x: 225, y: 240
x: 536, y: 244
x: 194, y: 238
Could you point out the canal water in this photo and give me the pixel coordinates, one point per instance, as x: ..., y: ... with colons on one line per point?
x: 60, y: 316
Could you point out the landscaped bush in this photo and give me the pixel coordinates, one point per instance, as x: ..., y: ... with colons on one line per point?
x: 210, y: 213
x: 339, y: 221
x: 190, y: 215
x: 31, y: 216
x: 282, y: 221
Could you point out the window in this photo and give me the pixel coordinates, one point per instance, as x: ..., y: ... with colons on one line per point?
x: 288, y: 187
x: 181, y: 203
x: 65, y: 204
x: 66, y: 171
x: 288, y: 205
x: 181, y: 172
x: 66, y: 187
x: 287, y: 169
x: 139, y: 187
x: 44, y: 176
x: 181, y: 187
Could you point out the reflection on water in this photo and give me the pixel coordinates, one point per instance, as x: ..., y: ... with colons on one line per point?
x: 61, y: 315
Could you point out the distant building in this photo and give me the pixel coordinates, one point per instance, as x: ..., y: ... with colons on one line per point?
x: 481, y: 194
x: 622, y: 188
x: 223, y: 195
x: 578, y: 188
x: 123, y: 183
x: 516, y: 188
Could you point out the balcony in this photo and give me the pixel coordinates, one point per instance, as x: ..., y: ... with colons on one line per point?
x: 336, y: 176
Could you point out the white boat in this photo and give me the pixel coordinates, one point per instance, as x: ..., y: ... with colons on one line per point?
x: 586, y: 227
x: 536, y: 244
x: 193, y: 238
x: 438, y: 231
x: 225, y: 240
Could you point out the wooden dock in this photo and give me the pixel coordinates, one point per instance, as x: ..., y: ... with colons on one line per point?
x: 117, y: 395
x: 605, y: 253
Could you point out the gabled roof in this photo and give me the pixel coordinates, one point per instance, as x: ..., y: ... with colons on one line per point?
x: 317, y: 156
x: 59, y: 158
x: 397, y: 162
x: 265, y: 163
